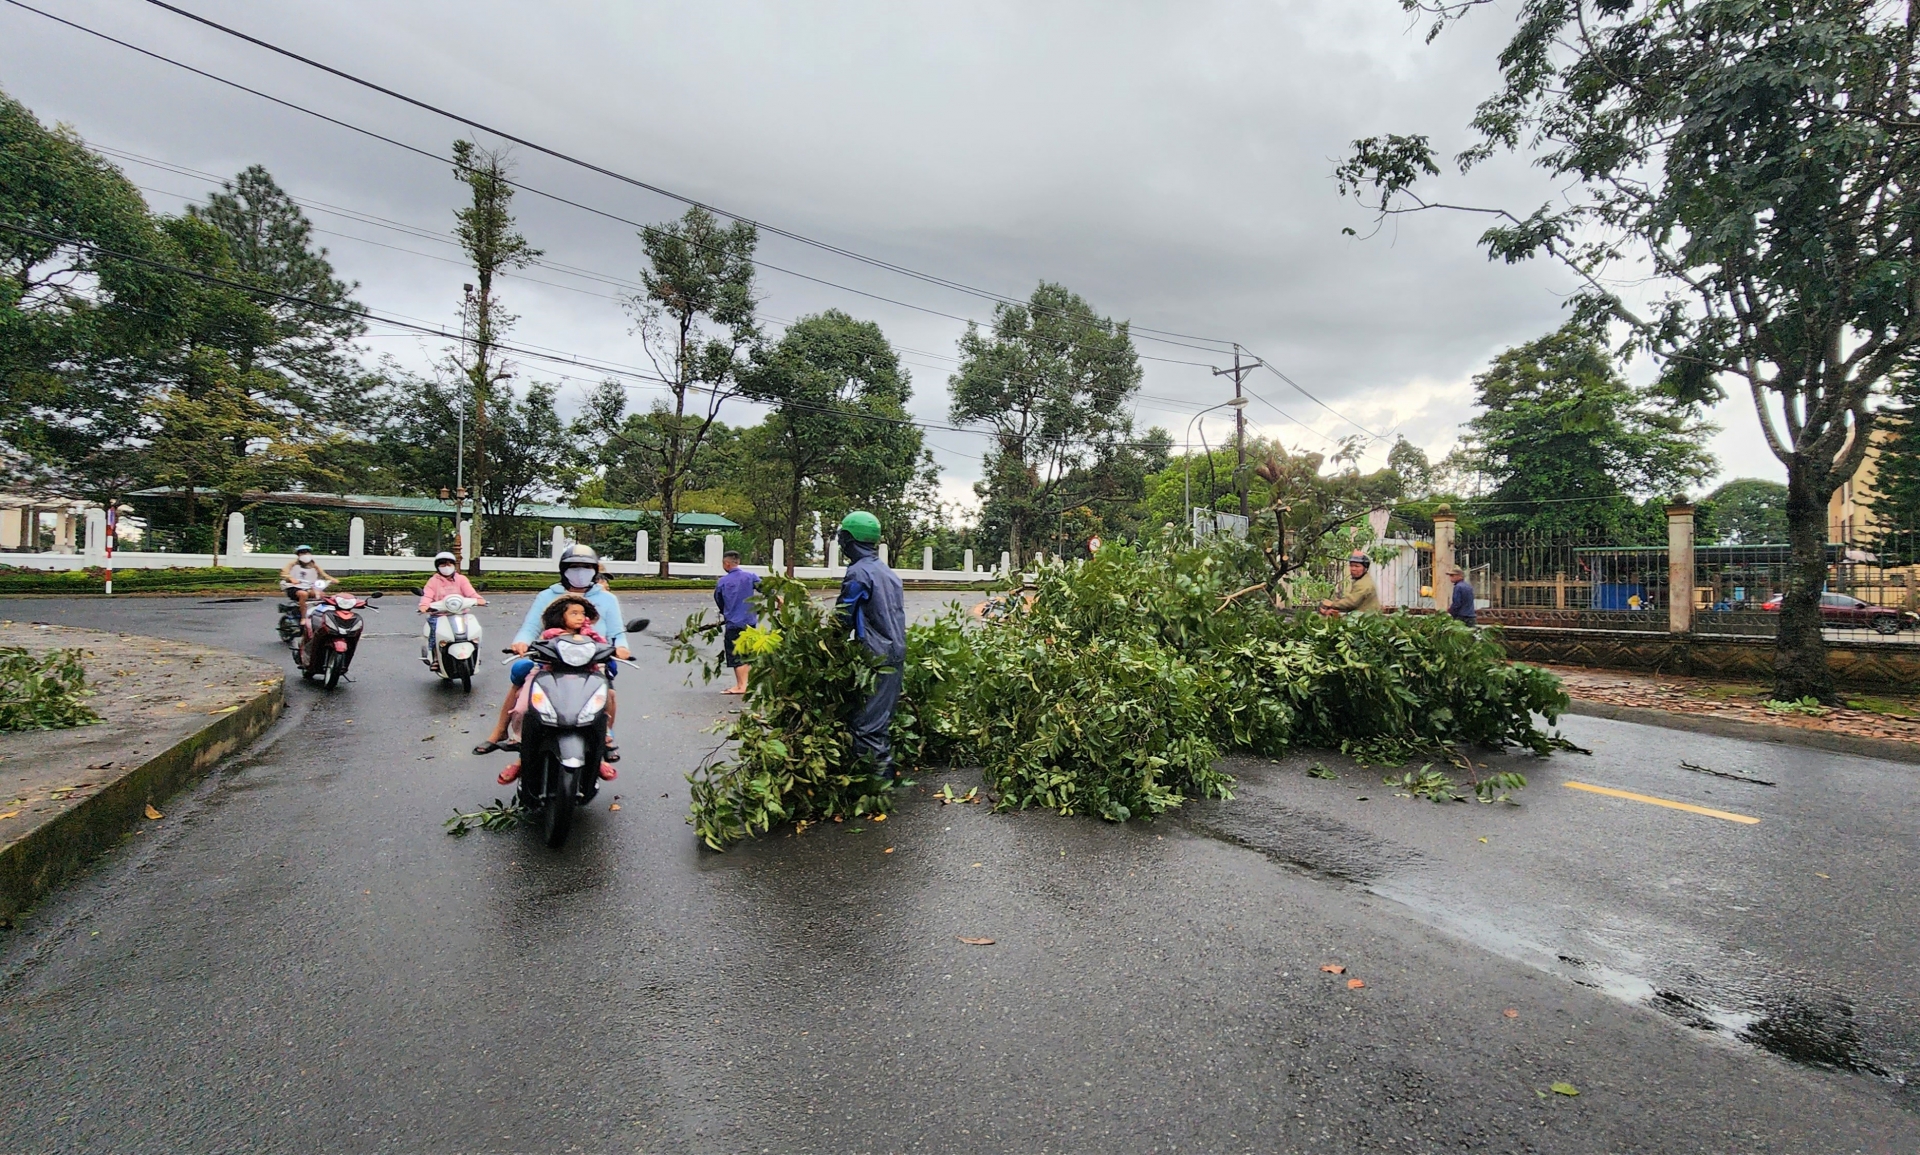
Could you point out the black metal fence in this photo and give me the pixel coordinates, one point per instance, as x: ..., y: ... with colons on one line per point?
x: 1871, y: 591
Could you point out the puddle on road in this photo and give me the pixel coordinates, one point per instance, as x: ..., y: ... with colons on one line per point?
x: 1811, y: 1028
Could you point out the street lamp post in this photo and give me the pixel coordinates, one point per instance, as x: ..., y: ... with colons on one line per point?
x: 1233, y: 403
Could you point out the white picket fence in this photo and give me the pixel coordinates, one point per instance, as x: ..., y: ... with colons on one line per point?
x: 357, y: 560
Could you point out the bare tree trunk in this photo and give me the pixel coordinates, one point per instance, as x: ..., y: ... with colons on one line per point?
x: 1800, y: 651
x: 793, y: 522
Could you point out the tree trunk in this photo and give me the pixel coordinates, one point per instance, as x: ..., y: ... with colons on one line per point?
x: 793, y: 523
x: 1800, y: 652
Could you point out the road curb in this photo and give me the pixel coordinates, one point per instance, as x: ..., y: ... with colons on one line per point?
x: 1882, y: 748
x: 58, y: 849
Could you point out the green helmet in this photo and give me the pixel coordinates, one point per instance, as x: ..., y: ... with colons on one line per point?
x: 861, y: 526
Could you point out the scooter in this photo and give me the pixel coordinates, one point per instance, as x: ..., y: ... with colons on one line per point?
x: 450, y: 641
x: 327, y: 640
x: 563, y: 734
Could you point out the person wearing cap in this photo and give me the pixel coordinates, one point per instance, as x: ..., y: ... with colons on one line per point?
x: 1460, y: 606
x: 297, y: 576
x: 447, y: 581
x: 873, y: 604
x: 1360, y: 597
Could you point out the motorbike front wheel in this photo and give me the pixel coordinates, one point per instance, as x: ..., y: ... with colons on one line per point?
x: 334, y: 666
x: 560, y: 807
x: 466, y: 682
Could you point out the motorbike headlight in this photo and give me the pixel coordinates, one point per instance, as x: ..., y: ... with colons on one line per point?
x: 594, y: 705
x: 539, y: 701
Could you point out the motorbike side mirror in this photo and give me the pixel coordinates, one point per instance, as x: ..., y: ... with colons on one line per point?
x: 638, y: 624
x: 377, y: 594
x: 419, y: 591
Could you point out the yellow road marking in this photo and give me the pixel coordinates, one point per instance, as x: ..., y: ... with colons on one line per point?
x: 1689, y: 807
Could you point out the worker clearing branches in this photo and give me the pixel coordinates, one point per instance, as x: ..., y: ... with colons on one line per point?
x: 1360, y: 597
x: 873, y: 604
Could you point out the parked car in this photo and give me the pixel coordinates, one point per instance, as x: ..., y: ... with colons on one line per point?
x: 1845, y: 612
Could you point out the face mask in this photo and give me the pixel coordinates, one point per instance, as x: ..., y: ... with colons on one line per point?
x: 304, y: 558
x: 580, y: 577
x: 446, y: 571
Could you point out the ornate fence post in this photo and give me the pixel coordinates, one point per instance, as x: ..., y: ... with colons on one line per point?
x: 1679, y: 568
x: 1443, y: 527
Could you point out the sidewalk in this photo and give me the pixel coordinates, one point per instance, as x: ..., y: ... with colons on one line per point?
x: 169, y: 710
x: 1882, y: 726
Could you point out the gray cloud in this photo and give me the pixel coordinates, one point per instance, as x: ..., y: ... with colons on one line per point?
x: 1169, y: 163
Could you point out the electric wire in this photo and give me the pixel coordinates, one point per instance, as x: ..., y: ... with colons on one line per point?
x: 590, y: 166
x: 1147, y: 332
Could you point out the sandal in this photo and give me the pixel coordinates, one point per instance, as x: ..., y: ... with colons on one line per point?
x: 486, y: 747
x: 608, y: 773
x: 509, y: 775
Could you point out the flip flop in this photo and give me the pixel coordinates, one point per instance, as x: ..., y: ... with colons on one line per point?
x: 486, y: 747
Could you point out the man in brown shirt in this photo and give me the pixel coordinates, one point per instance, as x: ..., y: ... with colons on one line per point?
x: 1361, y: 597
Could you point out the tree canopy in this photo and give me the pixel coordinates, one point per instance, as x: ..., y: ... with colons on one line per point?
x: 1757, y: 161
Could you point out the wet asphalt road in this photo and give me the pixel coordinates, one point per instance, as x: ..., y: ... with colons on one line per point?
x: 297, y: 959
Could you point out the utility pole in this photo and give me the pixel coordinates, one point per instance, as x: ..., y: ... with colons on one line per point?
x: 1238, y: 373
x: 479, y: 313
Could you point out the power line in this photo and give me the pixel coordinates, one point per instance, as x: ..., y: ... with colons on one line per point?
x: 607, y: 369
x: 612, y: 174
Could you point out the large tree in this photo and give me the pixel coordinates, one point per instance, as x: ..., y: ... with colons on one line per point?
x: 315, y: 318
x: 1757, y: 159
x: 1744, y: 511
x: 1052, y: 381
x: 839, y: 421
x: 1570, y: 447
x: 696, y: 322
x: 486, y: 231
x: 85, y: 294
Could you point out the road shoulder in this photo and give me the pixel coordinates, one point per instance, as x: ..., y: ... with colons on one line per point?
x: 170, y: 711
x: 1739, y: 710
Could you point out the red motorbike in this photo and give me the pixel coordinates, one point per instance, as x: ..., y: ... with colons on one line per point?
x: 325, y: 644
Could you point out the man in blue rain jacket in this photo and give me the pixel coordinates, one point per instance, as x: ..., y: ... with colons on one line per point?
x: 873, y: 604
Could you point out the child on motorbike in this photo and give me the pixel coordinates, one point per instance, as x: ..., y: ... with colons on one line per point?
x: 566, y: 615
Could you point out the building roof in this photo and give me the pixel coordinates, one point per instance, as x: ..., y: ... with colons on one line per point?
x: 434, y: 507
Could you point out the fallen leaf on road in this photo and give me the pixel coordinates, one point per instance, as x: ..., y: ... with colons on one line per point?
x: 11, y: 814
x: 979, y: 864
x: 1355, y: 984
x: 1334, y: 969
x: 888, y: 850
x: 1564, y: 1089
x: 974, y: 941
x: 1817, y: 874
x: 1511, y: 1013
x: 152, y: 813
x: 1483, y: 840
x: 879, y: 818
x: 224, y: 710
x: 428, y: 738
x: 615, y: 806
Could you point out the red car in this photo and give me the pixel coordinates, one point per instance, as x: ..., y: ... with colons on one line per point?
x: 1845, y: 612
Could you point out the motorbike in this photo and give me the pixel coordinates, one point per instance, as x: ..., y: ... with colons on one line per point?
x: 563, y: 734
x: 323, y: 645
x: 450, y: 641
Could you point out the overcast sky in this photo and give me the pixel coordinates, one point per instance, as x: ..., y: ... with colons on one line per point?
x: 1170, y: 164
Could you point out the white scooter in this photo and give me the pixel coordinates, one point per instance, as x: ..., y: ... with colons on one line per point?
x: 450, y: 640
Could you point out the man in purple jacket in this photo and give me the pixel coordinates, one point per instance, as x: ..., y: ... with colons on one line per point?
x: 732, y: 593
